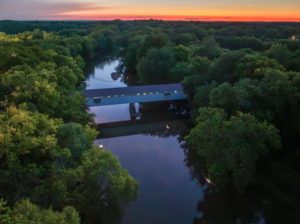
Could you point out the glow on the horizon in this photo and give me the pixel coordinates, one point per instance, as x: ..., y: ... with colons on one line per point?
x: 199, y: 10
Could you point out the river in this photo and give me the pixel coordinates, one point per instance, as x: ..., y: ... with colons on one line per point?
x: 149, y: 147
x: 167, y: 193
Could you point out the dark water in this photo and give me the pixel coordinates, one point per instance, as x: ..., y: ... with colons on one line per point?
x: 167, y: 192
x: 171, y: 190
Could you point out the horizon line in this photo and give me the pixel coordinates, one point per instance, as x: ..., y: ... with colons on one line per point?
x: 152, y: 19
x: 194, y: 18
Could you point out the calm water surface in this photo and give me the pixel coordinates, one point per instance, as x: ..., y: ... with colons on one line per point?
x: 167, y: 193
x: 151, y: 151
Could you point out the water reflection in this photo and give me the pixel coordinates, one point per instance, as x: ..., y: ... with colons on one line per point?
x: 167, y: 194
x: 146, y: 139
x: 99, y: 213
x: 262, y: 203
x: 228, y: 207
x: 101, y: 76
x: 152, y: 121
x: 172, y: 188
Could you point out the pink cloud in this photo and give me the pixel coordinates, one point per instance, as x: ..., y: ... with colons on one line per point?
x: 33, y: 9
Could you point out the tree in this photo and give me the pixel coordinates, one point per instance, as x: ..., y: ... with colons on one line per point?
x: 25, y: 85
x: 199, y: 65
x: 180, y: 71
x: 201, y: 98
x: 185, y: 38
x: 236, y: 43
x: 224, y: 69
x: 27, y: 134
x: 249, y: 97
x: 254, y: 66
x: 223, y: 97
x: 281, y: 53
x: 131, y: 54
x: 37, y: 34
x: 154, y: 40
x: 156, y: 67
x: 209, y: 48
x: 44, y: 155
x: 294, y: 61
x: 191, y: 83
x: 26, y: 212
x: 76, y: 138
x: 181, y: 53
x: 279, y: 94
x: 66, y: 79
x: 72, y: 108
x: 28, y: 149
x: 98, y: 179
x: 229, y: 148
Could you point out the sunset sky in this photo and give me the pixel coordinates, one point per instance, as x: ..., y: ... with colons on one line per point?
x: 209, y: 10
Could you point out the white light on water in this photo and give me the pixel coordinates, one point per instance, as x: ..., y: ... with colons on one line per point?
x: 207, y: 180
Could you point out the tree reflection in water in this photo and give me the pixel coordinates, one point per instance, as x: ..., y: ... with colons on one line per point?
x: 262, y: 203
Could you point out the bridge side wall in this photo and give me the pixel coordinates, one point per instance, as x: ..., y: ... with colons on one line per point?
x: 113, y: 100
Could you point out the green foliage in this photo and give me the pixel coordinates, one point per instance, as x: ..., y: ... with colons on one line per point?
x: 156, y: 67
x: 46, y: 151
x: 279, y: 93
x: 254, y: 66
x: 140, y: 45
x: 104, y: 172
x: 180, y: 71
x: 209, y: 48
x: 46, y: 142
x: 185, y: 39
x: 224, y: 69
x: 157, y: 40
x: 27, y: 134
x: 224, y: 97
x: 76, y: 138
x: 25, y: 212
x: 294, y: 61
x: 98, y: 179
x: 181, y: 53
x: 236, y: 43
x: 281, y: 53
x: 229, y: 148
x: 24, y: 85
x: 191, y: 83
x: 199, y: 65
x: 202, y: 96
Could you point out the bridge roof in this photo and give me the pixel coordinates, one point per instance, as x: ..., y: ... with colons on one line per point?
x: 132, y: 90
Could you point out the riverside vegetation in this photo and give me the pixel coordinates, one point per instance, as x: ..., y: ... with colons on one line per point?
x: 243, y: 83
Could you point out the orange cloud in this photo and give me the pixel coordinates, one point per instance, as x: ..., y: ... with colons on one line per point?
x: 166, y: 12
x: 97, y: 16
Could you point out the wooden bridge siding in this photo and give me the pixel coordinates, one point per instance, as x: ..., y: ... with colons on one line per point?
x: 132, y: 90
x: 179, y: 95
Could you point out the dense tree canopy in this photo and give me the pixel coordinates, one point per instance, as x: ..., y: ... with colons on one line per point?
x: 156, y: 66
x: 242, y: 80
x: 230, y: 147
x: 26, y: 212
x: 46, y: 138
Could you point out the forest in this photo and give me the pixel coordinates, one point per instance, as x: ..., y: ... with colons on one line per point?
x: 243, y: 84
